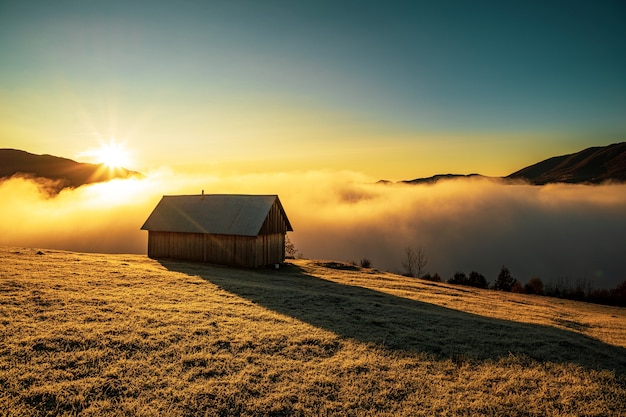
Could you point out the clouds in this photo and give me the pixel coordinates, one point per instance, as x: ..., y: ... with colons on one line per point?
x: 470, y: 224
x: 550, y: 232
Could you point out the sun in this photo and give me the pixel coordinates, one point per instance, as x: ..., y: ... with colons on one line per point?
x: 113, y: 155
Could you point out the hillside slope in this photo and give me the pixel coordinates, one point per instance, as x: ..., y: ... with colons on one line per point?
x: 591, y: 165
x: 64, y: 172
x: 126, y: 335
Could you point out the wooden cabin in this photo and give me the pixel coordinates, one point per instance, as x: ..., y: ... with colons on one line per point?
x: 225, y: 229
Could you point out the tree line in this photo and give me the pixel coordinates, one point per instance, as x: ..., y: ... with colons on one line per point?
x: 582, y: 290
x: 414, y: 263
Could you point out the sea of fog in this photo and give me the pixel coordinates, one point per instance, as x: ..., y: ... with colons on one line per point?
x: 554, y: 232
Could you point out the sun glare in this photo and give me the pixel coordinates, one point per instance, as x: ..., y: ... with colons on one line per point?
x: 113, y: 155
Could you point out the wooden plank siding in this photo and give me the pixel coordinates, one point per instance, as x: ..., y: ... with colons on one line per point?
x: 238, y: 230
x: 275, y: 221
x: 248, y: 251
x: 272, y: 249
x: 188, y: 246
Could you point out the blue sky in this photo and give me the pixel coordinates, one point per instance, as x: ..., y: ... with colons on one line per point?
x: 392, y: 89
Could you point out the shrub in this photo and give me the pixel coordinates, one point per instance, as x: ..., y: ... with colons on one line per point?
x: 517, y: 288
x: 474, y: 280
x: 433, y: 278
x: 620, y: 290
x: 583, y: 291
x: 477, y: 280
x: 618, y: 295
x: 290, y: 249
x: 459, y: 278
x: 366, y: 263
x: 534, y: 286
x: 600, y: 297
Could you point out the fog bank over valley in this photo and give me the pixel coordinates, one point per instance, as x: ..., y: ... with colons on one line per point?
x: 550, y: 231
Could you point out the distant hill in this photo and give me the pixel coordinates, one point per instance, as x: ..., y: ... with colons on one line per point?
x: 439, y: 177
x: 592, y: 165
x: 63, y: 172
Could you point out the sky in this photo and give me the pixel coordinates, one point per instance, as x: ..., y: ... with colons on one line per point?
x: 393, y: 90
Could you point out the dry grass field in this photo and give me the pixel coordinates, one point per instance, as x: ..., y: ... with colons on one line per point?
x: 106, y: 335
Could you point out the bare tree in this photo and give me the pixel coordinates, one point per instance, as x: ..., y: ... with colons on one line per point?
x: 421, y: 261
x: 409, y: 262
x: 414, y: 262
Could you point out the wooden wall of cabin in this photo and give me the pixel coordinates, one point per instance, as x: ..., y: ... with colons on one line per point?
x: 187, y: 246
x: 274, y: 222
x: 270, y: 249
x: 249, y: 251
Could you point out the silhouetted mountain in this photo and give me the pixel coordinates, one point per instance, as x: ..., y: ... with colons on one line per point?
x: 436, y: 178
x: 592, y: 165
x: 54, y: 172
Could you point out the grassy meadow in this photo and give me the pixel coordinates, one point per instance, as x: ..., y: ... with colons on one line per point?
x: 106, y: 335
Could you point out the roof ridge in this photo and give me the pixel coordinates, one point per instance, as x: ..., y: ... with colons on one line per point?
x: 220, y: 194
x: 228, y: 214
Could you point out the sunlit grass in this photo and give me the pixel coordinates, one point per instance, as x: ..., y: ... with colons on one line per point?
x: 125, y: 335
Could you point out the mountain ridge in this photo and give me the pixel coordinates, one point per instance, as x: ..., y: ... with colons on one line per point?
x: 593, y: 165
x: 441, y: 177
x: 54, y: 172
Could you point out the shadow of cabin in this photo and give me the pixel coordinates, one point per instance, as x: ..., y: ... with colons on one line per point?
x: 402, y: 324
x: 224, y: 229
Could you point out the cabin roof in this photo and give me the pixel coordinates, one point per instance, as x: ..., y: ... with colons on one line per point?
x: 222, y: 214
